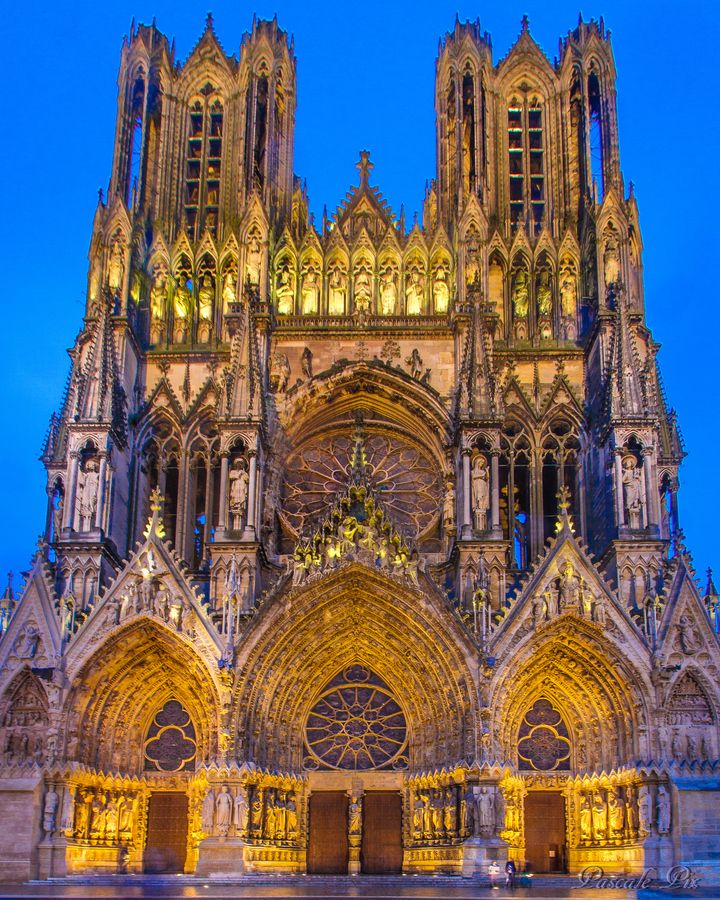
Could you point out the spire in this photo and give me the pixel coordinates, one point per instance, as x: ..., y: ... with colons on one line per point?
x: 101, y: 395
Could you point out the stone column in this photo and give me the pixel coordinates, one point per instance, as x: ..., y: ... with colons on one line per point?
x: 467, y: 512
x: 222, y: 511
x: 252, y: 498
x: 652, y: 496
x: 619, y: 495
x: 495, y: 490
x: 100, y: 505
x: 71, y: 494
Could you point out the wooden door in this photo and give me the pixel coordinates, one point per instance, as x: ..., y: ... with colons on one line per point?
x: 545, y: 831
x: 327, y: 839
x: 167, y: 832
x: 381, y: 851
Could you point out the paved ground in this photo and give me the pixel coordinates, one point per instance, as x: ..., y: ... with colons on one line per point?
x: 323, y: 888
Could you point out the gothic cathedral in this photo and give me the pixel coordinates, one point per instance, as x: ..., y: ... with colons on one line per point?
x: 362, y: 549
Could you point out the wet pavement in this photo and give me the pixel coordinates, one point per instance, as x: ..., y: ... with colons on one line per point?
x: 329, y: 888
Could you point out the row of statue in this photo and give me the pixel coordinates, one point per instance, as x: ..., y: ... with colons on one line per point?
x: 262, y: 814
x: 616, y: 816
x: 97, y: 816
x: 344, y: 535
x: 414, y: 289
x: 568, y: 593
x: 177, y: 294
x: 453, y: 812
x: 687, y: 747
x: 148, y: 595
x: 20, y: 745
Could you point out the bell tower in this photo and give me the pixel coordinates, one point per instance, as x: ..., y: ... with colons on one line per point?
x: 461, y: 116
x: 267, y: 71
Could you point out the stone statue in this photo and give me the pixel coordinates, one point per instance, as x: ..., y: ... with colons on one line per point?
x: 704, y: 748
x: 568, y: 294
x: 116, y: 268
x: 68, y: 813
x: 486, y: 811
x: 306, y: 363
x: 310, y: 292
x: 158, y: 296
x: 645, y: 809
x: 585, y: 819
x: 569, y: 588
x: 441, y: 290
x: 88, y: 491
x: 449, y: 508
x: 206, y: 298
x: 237, y: 500
x: 416, y: 364
x: 540, y: 610
x: 223, y: 810
x: 363, y: 289
x: 631, y: 814
x: 616, y: 814
x: 467, y: 811
x: 418, y: 815
x: 414, y: 292
x: 285, y: 291
x: 611, y: 262
x: 253, y: 261
x: 52, y: 801
x: 229, y: 293
x: 520, y: 295
x: 355, y: 815
x: 388, y: 292
x: 242, y: 811
x: 57, y: 516
x: 472, y: 253
x: 632, y: 491
x: 207, y: 813
x: 450, y: 813
x: 292, y: 822
x: 691, y: 748
x: 437, y: 813
x: 544, y: 295
x: 279, y: 373
x: 599, y: 817
x: 337, y: 292
x: 675, y: 750
x: 181, y: 312
x: 270, y: 816
x: 480, y: 492
x: 663, y: 810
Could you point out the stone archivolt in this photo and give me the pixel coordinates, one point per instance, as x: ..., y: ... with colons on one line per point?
x: 362, y: 508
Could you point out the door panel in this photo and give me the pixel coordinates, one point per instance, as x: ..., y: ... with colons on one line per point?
x: 381, y: 851
x: 167, y: 832
x: 328, y: 842
x: 545, y: 831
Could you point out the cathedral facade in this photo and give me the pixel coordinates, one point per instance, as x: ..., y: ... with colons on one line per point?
x: 362, y: 550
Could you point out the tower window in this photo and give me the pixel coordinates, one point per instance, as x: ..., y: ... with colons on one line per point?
x: 134, y: 163
x: 526, y: 164
x: 596, y: 150
x: 202, y: 171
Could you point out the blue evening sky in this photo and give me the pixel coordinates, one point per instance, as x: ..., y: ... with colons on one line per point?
x: 365, y: 79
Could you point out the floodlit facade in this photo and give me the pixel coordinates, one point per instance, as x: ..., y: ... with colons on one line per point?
x: 362, y: 549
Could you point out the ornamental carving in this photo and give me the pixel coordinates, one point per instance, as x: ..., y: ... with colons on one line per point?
x: 688, y: 704
x: 356, y: 724
x: 543, y: 742
x: 406, y: 478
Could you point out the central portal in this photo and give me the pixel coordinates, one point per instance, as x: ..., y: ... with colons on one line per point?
x: 167, y: 833
x: 381, y: 852
x: 545, y: 831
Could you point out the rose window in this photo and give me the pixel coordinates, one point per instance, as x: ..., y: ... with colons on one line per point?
x: 543, y: 742
x: 405, y: 479
x: 356, y: 724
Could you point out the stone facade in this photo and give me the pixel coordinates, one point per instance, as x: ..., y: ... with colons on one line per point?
x: 363, y: 508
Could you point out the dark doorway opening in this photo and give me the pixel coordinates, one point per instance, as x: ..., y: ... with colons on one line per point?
x: 167, y: 832
x: 545, y: 848
x: 328, y: 841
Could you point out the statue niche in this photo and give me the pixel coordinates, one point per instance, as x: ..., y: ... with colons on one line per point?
x: 310, y: 290
x: 182, y: 307
x: 568, y: 301
x: 520, y: 303
x: 238, y: 480
x: 632, y: 491
x: 337, y: 291
x: 206, y: 303
x: 363, y: 286
x: 285, y: 288
x: 414, y: 291
x: 544, y: 303
x: 87, y: 492
x: 388, y: 291
x: 158, y: 305
x: 441, y: 288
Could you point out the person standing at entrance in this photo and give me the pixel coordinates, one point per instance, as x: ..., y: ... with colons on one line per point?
x: 509, y: 874
x: 493, y: 872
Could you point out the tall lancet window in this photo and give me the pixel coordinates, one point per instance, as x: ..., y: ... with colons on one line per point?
x: 526, y: 164
x: 204, y: 158
x: 596, y: 148
x: 135, y: 161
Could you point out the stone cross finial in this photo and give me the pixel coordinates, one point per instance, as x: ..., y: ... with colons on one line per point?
x: 155, y: 523
x: 364, y: 167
